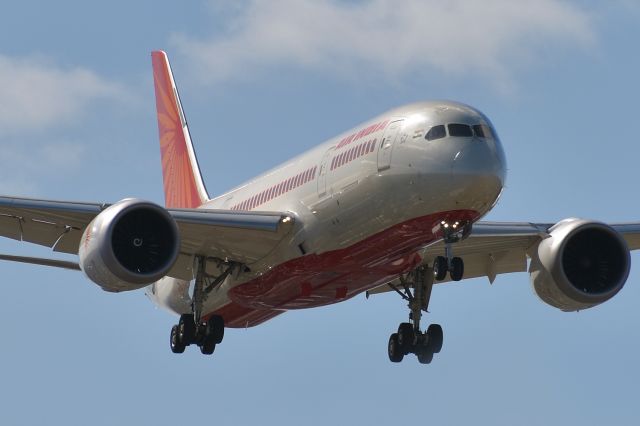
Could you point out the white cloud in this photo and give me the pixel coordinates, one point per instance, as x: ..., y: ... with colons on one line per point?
x: 38, y: 96
x: 22, y: 166
x: 35, y: 94
x: 393, y: 38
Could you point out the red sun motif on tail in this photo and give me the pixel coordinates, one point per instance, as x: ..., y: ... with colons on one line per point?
x: 183, y: 187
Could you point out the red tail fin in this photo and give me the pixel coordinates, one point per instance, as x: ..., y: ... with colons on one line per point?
x: 183, y: 185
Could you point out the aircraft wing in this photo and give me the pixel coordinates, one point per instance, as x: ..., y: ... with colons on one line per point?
x: 495, y: 248
x: 244, y: 237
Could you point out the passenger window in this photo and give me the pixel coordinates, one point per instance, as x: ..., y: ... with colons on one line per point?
x: 436, y: 132
x: 460, y: 130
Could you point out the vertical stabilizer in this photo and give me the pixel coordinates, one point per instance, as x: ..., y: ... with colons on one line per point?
x: 183, y: 185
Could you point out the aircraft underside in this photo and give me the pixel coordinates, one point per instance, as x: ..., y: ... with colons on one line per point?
x: 334, y: 276
x: 322, y: 279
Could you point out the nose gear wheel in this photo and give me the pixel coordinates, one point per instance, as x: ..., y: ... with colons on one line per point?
x: 451, y: 234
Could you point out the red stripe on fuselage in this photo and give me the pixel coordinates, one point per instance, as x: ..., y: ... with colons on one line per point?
x: 320, y: 279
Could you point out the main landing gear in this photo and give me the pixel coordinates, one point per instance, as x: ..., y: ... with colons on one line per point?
x: 410, y: 339
x: 192, y: 328
x: 206, y: 335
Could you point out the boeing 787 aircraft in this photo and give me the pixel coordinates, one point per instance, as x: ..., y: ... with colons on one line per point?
x: 393, y: 204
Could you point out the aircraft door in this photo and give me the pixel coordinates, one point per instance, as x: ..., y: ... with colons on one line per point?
x: 322, y: 174
x: 386, y: 146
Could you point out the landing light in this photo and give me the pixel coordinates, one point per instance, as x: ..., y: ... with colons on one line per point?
x: 286, y: 219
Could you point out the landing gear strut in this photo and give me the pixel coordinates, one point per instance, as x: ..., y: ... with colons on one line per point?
x: 410, y: 338
x: 192, y: 328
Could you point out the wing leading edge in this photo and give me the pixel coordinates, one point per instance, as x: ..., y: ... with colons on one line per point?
x: 243, y: 237
x: 493, y: 248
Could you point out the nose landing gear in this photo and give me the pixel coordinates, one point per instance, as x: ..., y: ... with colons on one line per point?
x: 453, y: 233
x: 410, y: 339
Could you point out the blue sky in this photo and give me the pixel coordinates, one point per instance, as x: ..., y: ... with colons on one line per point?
x: 260, y: 82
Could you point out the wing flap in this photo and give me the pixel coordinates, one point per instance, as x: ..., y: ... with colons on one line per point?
x: 41, y: 232
x: 69, y: 241
x: 57, y: 224
x: 10, y: 227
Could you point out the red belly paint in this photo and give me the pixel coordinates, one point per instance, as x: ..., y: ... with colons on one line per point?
x: 321, y: 279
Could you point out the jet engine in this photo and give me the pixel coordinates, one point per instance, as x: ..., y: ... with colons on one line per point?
x: 580, y: 265
x: 129, y: 245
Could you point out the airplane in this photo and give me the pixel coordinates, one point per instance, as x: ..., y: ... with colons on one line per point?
x: 393, y: 205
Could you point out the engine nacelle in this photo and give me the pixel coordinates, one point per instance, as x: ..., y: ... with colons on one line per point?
x: 582, y: 264
x: 129, y: 245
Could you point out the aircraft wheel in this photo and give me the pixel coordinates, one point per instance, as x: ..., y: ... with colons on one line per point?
x: 215, y: 329
x: 434, y: 332
x: 396, y: 353
x: 457, y: 269
x: 405, y: 336
x: 440, y: 268
x: 187, y: 329
x: 425, y: 355
x: 177, y: 347
x: 207, y: 348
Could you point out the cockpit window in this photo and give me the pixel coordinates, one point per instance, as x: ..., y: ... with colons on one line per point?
x: 482, y: 131
x: 436, y: 132
x: 460, y: 130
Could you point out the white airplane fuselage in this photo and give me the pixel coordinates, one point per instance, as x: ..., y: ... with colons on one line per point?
x: 365, y: 202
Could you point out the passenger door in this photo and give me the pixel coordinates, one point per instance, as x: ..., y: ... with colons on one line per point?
x: 386, y: 146
x: 322, y: 174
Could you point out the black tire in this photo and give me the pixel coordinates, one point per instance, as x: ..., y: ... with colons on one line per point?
x: 457, y: 269
x: 187, y: 329
x: 440, y: 267
x: 215, y: 328
x: 425, y: 355
x: 405, y: 336
x: 177, y: 347
x: 396, y: 354
x: 207, y: 348
x: 434, y: 332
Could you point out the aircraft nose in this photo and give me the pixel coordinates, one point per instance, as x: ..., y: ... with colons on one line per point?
x: 478, y: 171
